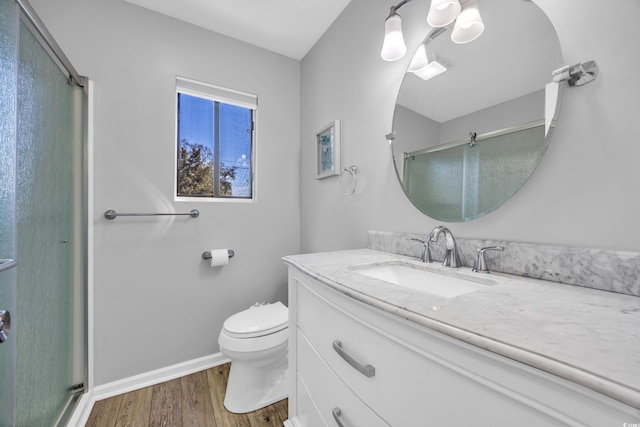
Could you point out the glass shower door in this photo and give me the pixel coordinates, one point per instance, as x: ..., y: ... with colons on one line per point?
x: 46, y: 242
x: 8, y: 82
x: 41, y: 226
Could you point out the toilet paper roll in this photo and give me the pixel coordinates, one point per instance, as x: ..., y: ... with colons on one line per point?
x: 219, y: 257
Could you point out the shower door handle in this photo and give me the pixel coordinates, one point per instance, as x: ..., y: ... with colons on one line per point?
x: 6, y: 264
x: 5, y: 316
x: 5, y: 325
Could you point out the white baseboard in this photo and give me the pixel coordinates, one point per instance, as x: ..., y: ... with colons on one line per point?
x: 125, y: 385
x: 147, y: 379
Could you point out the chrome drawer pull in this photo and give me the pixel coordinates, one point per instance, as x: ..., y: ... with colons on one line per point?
x: 337, y: 413
x: 366, y: 370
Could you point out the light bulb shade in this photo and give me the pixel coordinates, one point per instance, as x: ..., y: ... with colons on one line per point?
x: 469, y: 24
x: 419, y: 60
x: 443, y: 12
x: 393, y: 47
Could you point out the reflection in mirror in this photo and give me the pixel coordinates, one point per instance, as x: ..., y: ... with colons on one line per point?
x: 493, y: 88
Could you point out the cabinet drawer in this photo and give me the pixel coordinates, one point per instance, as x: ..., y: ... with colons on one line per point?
x: 306, y: 412
x: 330, y: 396
x: 410, y: 385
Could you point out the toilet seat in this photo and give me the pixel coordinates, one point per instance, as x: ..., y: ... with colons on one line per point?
x: 257, y: 321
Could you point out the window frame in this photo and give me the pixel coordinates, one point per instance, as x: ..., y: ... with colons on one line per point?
x: 224, y: 95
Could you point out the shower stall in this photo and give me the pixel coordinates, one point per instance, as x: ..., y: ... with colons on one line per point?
x: 43, y: 315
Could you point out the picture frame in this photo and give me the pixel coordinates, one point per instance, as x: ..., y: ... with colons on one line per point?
x: 328, y: 150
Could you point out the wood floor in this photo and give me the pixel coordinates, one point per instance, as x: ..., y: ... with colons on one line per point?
x: 193, y: 400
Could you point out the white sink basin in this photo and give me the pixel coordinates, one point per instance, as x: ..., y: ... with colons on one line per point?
x: 423, y: 278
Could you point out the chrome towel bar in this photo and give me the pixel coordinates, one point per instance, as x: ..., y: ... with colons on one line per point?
x: 111, y: 214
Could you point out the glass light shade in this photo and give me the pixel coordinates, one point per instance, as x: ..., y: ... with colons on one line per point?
x: 431, y: 70
x: 469, y: 24
x: 443, y: 12
x: 393, y: 47
x: 419, y: 60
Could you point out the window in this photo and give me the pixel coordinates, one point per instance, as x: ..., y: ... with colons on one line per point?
x: 215, y: 141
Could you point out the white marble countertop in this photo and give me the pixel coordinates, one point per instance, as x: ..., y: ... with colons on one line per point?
x: 587, y: 336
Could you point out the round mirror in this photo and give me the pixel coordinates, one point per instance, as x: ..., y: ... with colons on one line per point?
x: 469, y: 133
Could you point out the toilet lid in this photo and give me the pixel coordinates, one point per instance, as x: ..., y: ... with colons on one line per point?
x: 257, y: 321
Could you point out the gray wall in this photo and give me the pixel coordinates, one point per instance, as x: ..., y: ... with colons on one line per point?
x: 156, y: 301
x: 584, y: 193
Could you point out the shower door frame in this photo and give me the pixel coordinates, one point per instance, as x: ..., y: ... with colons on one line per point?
x: 31, y: 20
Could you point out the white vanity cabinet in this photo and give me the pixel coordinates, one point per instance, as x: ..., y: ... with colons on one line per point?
x: 353, y: 365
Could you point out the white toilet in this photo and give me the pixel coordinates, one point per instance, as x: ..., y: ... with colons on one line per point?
x: 256, y: 340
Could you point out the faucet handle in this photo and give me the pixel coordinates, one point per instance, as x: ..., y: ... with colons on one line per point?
x: 480, y: 266
x: 426, y: 250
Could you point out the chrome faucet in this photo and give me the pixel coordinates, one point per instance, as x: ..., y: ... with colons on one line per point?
x: 426, y: 250
x: 452, y: 258
x: 480, y: 266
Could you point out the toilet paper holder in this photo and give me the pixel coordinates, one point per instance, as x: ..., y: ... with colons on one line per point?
x: 207, y: 254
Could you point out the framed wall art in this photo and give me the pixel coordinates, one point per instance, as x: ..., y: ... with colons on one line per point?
x: 328, y: 150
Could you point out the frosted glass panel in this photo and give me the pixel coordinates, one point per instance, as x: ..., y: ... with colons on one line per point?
x: 8, y: 41
x: 515, y: 156
x: 433, y: 182
x: 40, y: 115
x: 465, y: 182
x: 45, y: 215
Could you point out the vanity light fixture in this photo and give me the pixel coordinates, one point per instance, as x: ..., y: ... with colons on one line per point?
x: 393, y: 47
x: 468, y: 26
x: 443, y: 12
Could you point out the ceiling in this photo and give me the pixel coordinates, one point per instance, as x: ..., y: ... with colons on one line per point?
x: 287, y: 27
